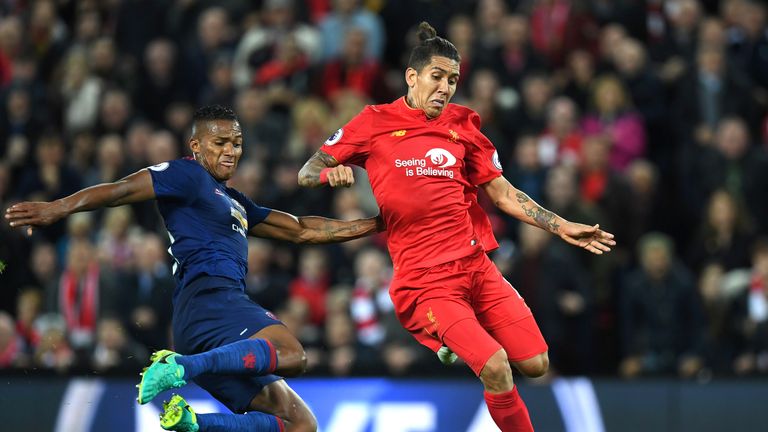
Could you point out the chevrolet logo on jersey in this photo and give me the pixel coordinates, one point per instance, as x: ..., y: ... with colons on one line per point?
x: 240, y: 218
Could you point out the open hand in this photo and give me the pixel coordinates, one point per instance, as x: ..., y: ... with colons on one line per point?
x: 33, y: 214
x: 591, y: 238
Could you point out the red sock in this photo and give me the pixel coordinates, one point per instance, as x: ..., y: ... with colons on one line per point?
x: 508, y: 411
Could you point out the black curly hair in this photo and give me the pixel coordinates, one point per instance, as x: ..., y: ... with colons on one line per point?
x: 431, y: 45
x: 213, y: 112
x: 209, y: 113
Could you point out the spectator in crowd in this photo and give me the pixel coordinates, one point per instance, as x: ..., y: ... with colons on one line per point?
x: 53, y: 351
x: 160, y: 81
x: 734, y: 164
x: 514, y: 57
x: 11, y: 345
x: 662, y: 322
x: 312, y: 283
x: 560, y: 142
x: 710, y: 91
x: 530, y: 115
x: 309, y: 122
x: 724, y: 237
x: 146, y: 292
x: 345, y: 16
x: 83, y: 293
x: 29, y: 306
x: 265, y: 283
x: 526, y: 169
x: 602, y: 186
x: 114, y: 350
x: 749, y: 317
x: 43, y: 264
x: 109, y: 163
x: 370, y: 300
x: 81, y: 91
x: 352, y: 69
x: 266, y: 130
x: 259, y: 43
x: 613, y: 117
x: 577, y: 76
x: 560, y: 300
x: 646, y: 92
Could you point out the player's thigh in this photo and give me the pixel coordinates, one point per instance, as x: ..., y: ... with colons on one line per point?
x: 524, y: 343
x: 217, y: 315
x: 280, y: 400
x: 471, y: 342
x: 451, y: 321
x: 503, y: 313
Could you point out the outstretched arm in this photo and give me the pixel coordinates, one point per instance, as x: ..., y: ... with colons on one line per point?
x: 323, y: 168
x: 516, y: 203
x: 133, y: 188
x: 314, y: 229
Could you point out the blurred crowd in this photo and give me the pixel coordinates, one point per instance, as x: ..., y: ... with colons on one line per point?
x: 646, y: 116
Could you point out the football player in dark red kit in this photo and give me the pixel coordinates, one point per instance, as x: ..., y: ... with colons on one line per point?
x: 426, y: 159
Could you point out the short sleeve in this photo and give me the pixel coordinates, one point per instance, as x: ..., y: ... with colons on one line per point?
x: 351, y: 143
x: 176, y: 179
x: 482, y: 159
x: 255, y: 213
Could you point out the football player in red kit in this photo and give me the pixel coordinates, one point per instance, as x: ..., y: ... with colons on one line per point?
x: 426, y: 159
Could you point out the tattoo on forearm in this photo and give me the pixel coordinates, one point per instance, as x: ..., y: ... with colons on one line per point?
x: 543, y: 217
x: 336, y: 231
x: 309, y: 176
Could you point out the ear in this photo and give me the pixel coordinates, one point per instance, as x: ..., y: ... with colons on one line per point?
x: 194, y: 145
x: 410, y: 77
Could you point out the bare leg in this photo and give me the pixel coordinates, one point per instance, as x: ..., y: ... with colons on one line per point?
x: 280, y: 400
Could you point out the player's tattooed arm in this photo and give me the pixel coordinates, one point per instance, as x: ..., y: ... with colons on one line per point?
x: 323, y: 168
x: 543, y: 217
x: 516, y: 203
x: 314, y: 229
x: 309, y: 175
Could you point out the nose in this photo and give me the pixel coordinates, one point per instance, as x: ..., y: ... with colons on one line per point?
x: 229, y: 149
x: 442, y: 88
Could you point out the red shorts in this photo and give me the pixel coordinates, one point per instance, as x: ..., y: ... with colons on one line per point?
x: 468, y: 306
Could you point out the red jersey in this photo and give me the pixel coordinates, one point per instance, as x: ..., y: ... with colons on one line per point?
x: 424, y: 174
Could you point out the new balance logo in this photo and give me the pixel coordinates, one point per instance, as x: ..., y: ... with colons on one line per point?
x: 399, y: 133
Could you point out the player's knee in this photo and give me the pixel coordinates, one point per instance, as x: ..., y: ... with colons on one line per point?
x: 292, y: 361
x: 497, y: 374
x: 536, y: 366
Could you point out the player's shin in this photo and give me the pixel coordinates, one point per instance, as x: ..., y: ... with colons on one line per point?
x: 509, y: 411
x: 252, y: 421
x: 249, y: 356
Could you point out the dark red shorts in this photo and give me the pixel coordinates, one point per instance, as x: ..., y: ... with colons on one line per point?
x: 468, y: 306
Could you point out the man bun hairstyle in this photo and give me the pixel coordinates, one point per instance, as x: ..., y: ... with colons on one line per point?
x: 430, y: 45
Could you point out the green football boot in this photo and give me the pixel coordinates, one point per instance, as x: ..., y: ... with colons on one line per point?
x: 161, y: 375
x: 446, y: 356
x: 178, y: 416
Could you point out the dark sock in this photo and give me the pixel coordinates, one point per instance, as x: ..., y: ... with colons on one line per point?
x: 252, y: 421
x: 249, y: 356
